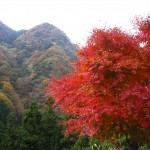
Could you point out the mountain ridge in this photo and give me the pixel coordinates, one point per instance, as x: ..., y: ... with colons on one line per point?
x: 6, y: 33
x: 42, y: 36
x: 45, y: 25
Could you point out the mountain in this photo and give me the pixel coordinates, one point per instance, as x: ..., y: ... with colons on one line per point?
x: 28, y: 59
x: 42, y: 37
x: 7, y: 35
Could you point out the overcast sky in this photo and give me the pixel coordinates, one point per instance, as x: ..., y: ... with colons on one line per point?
x: 75, y: 17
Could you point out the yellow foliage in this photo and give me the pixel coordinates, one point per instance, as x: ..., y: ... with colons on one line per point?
x: 7, y: 87
x: 6, y: 101
x: 11, y: 97
x: 45, y: 81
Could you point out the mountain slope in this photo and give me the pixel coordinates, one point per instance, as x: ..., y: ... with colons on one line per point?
x: 42, y: 37
x: 6, y: 34
x: 28, y: 59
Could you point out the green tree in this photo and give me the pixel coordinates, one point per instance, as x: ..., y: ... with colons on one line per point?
x: 31, y: 132
x: 10, y: 136
x: 54, y: 138
x: 2, y: 132
x: 49, y: 126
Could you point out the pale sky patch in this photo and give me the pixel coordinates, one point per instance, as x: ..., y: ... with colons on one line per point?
x: 75, y: 17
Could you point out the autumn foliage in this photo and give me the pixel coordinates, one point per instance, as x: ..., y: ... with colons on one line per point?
x: 108, y: 94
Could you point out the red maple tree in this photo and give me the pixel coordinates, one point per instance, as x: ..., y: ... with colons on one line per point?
x: 108, y: 94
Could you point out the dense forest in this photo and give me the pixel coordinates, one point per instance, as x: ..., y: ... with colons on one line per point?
x: 38, y: 112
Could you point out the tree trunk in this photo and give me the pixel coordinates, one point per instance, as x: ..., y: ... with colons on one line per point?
x: 133, y: 144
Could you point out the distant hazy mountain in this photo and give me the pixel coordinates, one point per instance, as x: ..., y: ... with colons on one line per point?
x: 6, y: 33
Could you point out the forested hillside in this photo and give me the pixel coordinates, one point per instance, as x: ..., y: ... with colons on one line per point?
x: 27, y: 59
